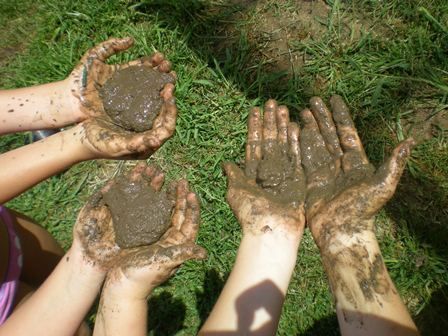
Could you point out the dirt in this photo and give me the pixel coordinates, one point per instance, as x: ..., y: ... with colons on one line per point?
x: 277, y: 175
x: 140, y: 215
x: 425, y: 123
x: 279, y: 31
x: 131, y: 97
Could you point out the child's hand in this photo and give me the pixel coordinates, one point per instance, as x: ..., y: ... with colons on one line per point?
x: 265, y: 201
x: 100, y: 138
x: 94, y: 233
x: 138, y: 270
x: 343, y: 190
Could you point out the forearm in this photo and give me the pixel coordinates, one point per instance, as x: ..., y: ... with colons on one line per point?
x: 253, y: 296
x: 119, y: 315
x: 60, y: 304
x: 22, y: 168
x: 43, y: 106
x: 367, y: 301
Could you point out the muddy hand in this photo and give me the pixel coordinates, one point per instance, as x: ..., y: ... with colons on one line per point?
x: 269, y: 195
x: 138, y: 270
x: 343, y: 190
x: 101, y: 138
x: 94, y: 232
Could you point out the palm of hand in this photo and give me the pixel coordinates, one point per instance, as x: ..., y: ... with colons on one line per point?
x: 269, y: 195
x: 343, y: 190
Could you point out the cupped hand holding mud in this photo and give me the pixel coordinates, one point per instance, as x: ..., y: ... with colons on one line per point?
x: 136, y: 271
x: 142, y: 268
x: 103, y: 137
x: 344, y: 192
x: 269, y: 195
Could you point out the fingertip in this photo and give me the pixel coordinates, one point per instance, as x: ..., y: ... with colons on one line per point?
x: 164, y: 66
x: 167, y: 93
x: 270, y: 104
x: 193, y: 200
x: 306, y: 116
x: 157, y: 58
x: 200, y: 253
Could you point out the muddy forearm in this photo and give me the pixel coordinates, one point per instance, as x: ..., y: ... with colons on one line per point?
x: 43, y: 106
x: 367, y: 301
x: 259, y: 281
x: 26, y: 166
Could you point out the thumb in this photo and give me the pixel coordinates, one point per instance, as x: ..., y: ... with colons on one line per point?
x: 386, y: 178
x: 180, y: 253
x: 233, y: 172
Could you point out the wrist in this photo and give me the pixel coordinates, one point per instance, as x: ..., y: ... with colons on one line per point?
x: 72, y: 101
x: 86, y: 273
x: 78, y: 151
x: 126, y: 291
x: 270, y: 254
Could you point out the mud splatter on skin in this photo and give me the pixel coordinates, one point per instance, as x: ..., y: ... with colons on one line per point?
x: 343, y: 195
x: 131, y: 97
x: 140, y: 215
x: 371, y: 276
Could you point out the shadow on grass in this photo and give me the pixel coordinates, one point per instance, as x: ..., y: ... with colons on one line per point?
x: 327, y: 326
x: 213, y: 285
x: 422, y: 206
x: 433, y: 320
x: 166, y: 315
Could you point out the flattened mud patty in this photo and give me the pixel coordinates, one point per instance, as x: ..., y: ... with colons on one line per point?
x: 276, y: 175
x: 140, y: 215
x: 131, y: 97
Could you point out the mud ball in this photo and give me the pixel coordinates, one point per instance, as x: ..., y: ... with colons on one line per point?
x: 131, y: 97
x: 140, y: 215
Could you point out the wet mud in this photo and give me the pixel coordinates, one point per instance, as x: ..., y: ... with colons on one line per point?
x: 140, y: 215
x: 277, y: 175
x: 131, y: 97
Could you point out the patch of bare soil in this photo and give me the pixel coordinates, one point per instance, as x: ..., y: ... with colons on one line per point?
x: 426, y: 120
x: 277, y: 27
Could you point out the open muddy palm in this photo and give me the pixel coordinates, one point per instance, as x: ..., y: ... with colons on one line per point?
x: 341, y: 183
x: 344, y: 192
x: 270, y: 193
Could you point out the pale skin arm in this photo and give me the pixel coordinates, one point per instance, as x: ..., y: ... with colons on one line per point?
x: 253, y: 296
x: 24, y: 167
x: 344, y: 192
x: 44, y: 106
x: 59, y: 306
x: 129, y: 283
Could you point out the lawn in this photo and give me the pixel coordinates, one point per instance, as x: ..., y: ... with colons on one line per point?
x: 388, y: 59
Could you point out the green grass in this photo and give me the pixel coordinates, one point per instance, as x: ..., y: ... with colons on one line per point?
x: 382, y: 77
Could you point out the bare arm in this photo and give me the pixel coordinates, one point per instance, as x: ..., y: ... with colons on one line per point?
x: 344, y: 194
x: 269, y: 207
x: 38, y: 107
x: 24, y: 167
x: 252, y: 298
x: 61, y: 303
